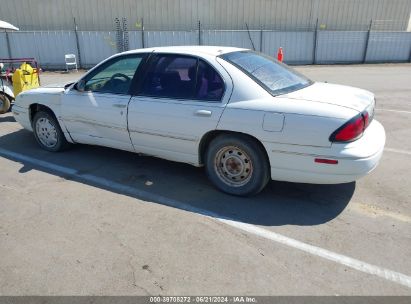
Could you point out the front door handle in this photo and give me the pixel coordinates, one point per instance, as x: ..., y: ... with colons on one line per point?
x: 203, y: 113
x: 119, y: 105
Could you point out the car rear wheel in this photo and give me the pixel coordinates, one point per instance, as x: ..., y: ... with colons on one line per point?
x: 237, y: 165
x: 48, y: 133
x: 4, y: 103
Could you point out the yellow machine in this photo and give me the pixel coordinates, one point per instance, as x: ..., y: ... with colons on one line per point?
x: 25, y: 78
x: 14, y: 81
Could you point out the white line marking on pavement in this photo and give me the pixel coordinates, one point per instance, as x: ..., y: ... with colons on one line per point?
x: 397, y: 151
x: 397, y: 111
x: 384, y: 273
x: 374, y: 211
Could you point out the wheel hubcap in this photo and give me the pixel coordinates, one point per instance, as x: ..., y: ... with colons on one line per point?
x: 233, y: 166
x: 46, y: 132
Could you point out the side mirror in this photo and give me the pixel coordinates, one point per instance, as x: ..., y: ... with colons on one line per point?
x: 81, y: 85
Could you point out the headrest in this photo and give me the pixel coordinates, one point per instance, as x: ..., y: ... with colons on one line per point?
x: 170, y: 78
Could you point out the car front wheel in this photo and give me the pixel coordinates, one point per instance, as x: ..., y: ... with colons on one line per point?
x: 237, y: 164
x: 48, y: 133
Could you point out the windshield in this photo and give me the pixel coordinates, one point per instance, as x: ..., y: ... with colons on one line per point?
x: 272, y: 75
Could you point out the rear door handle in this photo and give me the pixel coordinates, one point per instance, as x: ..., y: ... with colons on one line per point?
x: 203, y: 113
x: 119, y: 105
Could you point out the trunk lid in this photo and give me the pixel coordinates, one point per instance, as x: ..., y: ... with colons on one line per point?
x: 339, y: 95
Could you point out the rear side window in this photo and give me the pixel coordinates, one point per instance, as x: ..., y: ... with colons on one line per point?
x: 182, y: 77
x: 210, y: 85
x: 171, y: 76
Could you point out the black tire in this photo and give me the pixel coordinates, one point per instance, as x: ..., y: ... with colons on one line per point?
x: 60, y: 141
x: 4, y: 104
x: 227, y: 159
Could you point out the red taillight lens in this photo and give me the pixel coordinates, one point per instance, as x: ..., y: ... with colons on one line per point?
x: 350, y: 131
x: 326, y: 161
x: 366, y: 117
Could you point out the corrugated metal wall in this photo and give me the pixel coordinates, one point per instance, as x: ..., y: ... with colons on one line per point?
x: 231, y: 38
x: 160, y: 38
x: 3, y: 46
x: 47, y: 47
x: 96, y: 46
x: 300, y: 47
x: 389, y: 46
x: 341, y: 46
x: 342, y: 34
x: 214, y: 14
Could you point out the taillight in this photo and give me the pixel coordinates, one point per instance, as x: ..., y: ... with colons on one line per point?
x: 366, y: 117
x: 326, y: 161
x: 351, y: 130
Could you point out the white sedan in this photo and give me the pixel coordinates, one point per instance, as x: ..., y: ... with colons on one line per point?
x: 244, y: 116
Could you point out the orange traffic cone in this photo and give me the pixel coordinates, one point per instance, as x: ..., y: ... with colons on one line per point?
x: 280, y: 55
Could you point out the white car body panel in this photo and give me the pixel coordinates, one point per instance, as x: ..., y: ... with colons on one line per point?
x: 159, y: 126
x: 343, y: 96
x: 171, y: 129
x: 47, y: 96
x: 355, y: 160
x: 99, y: 119
x: 22, y: 116
x: 293, y: 128
x: 250, y: 104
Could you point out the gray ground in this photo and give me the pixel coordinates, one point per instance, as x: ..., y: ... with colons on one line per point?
x: 64, y: 235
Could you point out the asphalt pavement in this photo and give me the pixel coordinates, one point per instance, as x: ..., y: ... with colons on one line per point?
x: 98, y: 221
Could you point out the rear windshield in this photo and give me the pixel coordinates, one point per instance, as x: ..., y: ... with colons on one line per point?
x: 272, y: 75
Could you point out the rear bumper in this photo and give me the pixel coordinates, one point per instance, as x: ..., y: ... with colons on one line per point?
x: 355, y: 159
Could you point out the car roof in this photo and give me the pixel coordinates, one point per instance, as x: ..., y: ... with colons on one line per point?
x: 189, y: 50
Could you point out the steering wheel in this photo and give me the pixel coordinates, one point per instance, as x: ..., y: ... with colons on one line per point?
x: 115, y: 84
x: 120, y: 75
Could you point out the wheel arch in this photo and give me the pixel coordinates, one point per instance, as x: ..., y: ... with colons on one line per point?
x: 211, y: 135
x: 36, y: 107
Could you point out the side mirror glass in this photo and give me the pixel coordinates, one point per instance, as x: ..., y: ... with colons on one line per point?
x: 81, y: 85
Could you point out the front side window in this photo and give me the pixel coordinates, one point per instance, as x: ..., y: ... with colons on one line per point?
x: 274, y: 76
x: 114, y: 77
x: 182, y: 77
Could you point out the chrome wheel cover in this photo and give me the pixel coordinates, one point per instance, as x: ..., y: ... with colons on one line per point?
x: 233, y: 166
x: 46, y: 132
